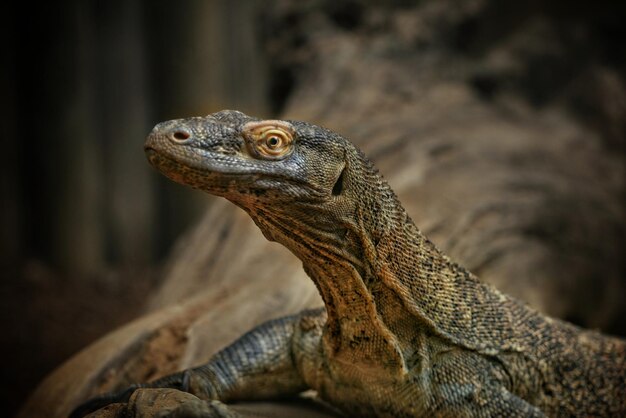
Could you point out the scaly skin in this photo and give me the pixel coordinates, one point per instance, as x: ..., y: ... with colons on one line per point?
x: 405, y: 331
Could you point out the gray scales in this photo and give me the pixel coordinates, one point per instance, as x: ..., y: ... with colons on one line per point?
x: 405, y: 331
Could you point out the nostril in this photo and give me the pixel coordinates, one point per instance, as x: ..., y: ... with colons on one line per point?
x: 181, y: 136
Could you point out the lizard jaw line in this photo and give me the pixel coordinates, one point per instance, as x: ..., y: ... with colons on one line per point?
x: 159, y: 159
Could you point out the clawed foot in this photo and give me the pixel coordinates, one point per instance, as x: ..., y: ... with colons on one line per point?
x: 99, y: 402
x: 167, y: 403
x: 199, y: 409
x: 179, y: 381
x: 171, y: 403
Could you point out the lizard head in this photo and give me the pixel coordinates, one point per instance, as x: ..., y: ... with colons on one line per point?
x: 296, y: 180
x: 248, y: 160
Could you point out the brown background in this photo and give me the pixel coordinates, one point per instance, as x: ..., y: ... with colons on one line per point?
x: 501, y: 126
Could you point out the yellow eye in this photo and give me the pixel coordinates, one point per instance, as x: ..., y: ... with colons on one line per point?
x: 269, y: 139
x: 274, y: 142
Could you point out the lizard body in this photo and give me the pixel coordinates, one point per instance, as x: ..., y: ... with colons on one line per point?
x: 405, y: 331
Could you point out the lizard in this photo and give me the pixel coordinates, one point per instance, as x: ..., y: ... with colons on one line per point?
x: 404, y: 331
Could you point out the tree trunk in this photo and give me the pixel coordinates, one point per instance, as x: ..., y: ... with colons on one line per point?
x: 73, y: 151
x: 129, y: 206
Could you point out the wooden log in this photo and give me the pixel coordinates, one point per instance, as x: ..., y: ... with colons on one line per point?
x: 527, y: 198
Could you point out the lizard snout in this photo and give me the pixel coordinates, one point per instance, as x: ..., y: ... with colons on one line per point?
x: 173, y: 132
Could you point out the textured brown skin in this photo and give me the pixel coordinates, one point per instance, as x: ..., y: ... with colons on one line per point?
x: 405, y: 331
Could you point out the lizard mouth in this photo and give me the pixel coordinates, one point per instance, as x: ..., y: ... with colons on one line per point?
x: 190, y: 173
x: 196, y: 160
x: 171, y: 165
x: 216, y: 173
x: 151, y: 153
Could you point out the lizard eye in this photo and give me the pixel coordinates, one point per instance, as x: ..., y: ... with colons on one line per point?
x: 270, y: 139
x: 273, y: 142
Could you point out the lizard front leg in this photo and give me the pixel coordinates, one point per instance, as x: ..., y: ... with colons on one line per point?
x: 263, y: 364
x: 468, y: 384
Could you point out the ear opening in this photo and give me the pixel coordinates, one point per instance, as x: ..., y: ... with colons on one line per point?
x: 338, y: 186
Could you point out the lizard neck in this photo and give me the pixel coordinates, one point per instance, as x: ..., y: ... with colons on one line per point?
x: 379, y: 276
x: 412, y: 282
x: 332, y: 256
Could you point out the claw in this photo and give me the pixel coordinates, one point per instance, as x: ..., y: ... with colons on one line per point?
x: 101, y: 401
x: 184, y: 386
x: 177, y: 381
x: 199, y: 409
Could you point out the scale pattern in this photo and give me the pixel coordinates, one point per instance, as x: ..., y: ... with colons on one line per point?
x: 404, y: 332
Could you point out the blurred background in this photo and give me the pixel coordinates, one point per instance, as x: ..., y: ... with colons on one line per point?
x: 86, y: 225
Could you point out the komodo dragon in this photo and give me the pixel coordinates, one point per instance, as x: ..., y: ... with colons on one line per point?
x: 405, y: 332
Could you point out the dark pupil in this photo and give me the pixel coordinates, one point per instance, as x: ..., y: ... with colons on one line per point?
x: 272, y: 141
